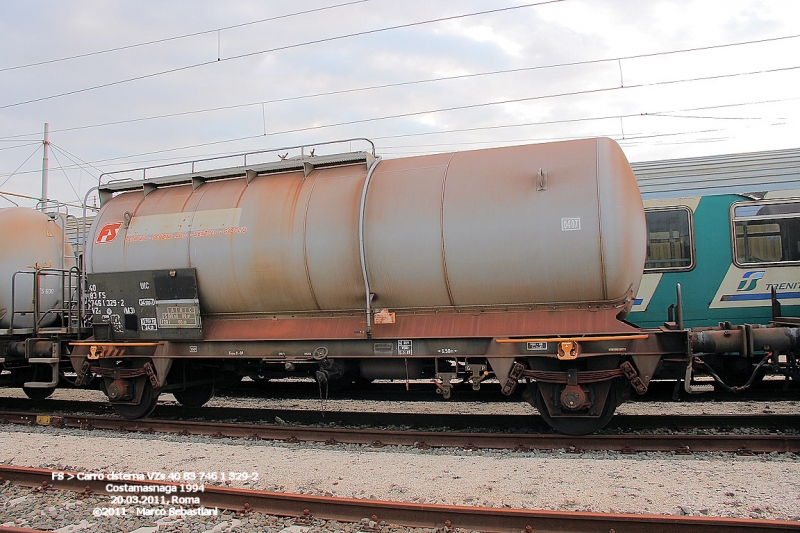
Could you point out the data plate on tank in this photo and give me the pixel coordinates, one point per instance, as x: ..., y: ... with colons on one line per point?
x: 145, y: 305
x: 178, y: 314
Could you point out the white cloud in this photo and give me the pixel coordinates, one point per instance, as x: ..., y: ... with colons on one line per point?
x: 487, y: 34
x: 571, y: 31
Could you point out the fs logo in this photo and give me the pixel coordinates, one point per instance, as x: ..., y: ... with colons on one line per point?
x: 750, y: 279
x: 108, y: 233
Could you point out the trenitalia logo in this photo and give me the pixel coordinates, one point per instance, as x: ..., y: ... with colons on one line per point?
x: 749, y: 280
x: 108, y: 233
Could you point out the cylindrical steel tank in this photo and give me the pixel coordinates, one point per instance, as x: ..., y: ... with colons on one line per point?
x: 30, y: 239
x: 558, y: 223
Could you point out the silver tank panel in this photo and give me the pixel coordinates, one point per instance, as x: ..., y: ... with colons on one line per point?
x: 29, y: 238
x: 450, y: 230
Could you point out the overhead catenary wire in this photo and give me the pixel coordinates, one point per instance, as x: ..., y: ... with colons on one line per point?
x: 5, y: 196
x: 63, y: 171
x: 487, y: 104
x: 633, y: 136
x: 656, y: 114
x: 19, y: 167
x: 581, y: 119
x: 674, y: 115
x: 630, y: 139
x: 481, y: 128
x: 529, y: 99
x: 28, y: 197
x: 422, y: 125
x: 484, y: 104
x: 178, y: 37
x: 20, y: 146
x: 277, y: 49
x: 75, y: 159
x: 423, y: 81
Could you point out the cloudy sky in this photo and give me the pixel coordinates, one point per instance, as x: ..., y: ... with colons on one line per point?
x: 127, y: 84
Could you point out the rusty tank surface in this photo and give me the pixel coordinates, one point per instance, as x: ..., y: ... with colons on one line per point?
x: 513, y: 263
x: 33, y: 252
x: 449, y: 267
x: 559, y: 225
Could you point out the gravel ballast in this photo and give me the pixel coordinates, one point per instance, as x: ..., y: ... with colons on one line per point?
x: 702, y: 484
x: 438, y: 405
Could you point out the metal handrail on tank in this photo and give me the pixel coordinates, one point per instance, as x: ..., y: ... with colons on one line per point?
x: 61, y: 216
x: 73, y: 308
x: 244, y: 155
x: 67, y: 312
x: 361, y: 251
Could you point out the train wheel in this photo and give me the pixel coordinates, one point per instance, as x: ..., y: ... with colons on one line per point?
x: 143, y: 408
x: 194, y: 396
x: 37, y: 393
x: 576, y: 425
x: 37, y: 373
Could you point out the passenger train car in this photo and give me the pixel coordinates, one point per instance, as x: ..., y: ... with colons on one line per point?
x: 728, y: 252
x: 728, y: 229
x: 733, y: 246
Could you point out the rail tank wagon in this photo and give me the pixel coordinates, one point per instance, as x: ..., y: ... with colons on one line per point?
x: 38, y: 283
x: 30, y: 241
x: 452, y: 267
x: 471, y: 229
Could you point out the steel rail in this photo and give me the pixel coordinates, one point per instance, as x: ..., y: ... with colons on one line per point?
x: 463, y: 421
x: 677, y: 443
x: 306, y: 507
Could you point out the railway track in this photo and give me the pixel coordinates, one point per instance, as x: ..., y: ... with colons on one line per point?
x: 306, y: 509
x: 766, y: 390
x: 625, y: 443
x: 464, y: 421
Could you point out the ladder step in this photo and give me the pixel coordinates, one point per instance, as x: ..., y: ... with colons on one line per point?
x: 706, y: 387
x: 49, y: 360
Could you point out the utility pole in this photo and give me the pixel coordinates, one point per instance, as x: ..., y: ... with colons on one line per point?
x: 45, y: 162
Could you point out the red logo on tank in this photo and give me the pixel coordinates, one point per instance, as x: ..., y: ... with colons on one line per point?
x: 108, y: 233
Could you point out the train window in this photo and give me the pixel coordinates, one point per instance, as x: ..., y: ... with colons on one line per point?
x: 669, y: 240
x: 766, y: 232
